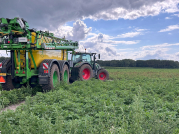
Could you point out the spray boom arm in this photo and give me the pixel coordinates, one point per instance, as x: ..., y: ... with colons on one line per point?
x: 15, y: 34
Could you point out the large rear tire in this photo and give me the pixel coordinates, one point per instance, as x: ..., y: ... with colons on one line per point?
x: 65, y: 74
x: 103, y: 75
x: 33, y: 81
x: 85, y: 72
x: 10, y: 83
x: 53, y: 80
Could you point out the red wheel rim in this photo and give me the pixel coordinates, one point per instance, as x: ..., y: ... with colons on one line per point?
x: 102, y: 76
x: 86, y: 74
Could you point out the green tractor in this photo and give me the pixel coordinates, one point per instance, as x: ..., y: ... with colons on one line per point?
x: 84, y: 68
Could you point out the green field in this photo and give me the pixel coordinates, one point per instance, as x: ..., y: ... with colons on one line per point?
x: 133, y: 101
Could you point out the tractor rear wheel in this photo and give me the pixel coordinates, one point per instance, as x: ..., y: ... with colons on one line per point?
x: 65, y: 74
x: 54, y: 78
x: 85, y: 72
x: 103, y: 75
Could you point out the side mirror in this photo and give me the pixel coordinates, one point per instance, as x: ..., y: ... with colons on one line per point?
x: 98, y: 56
x: 94, y: 56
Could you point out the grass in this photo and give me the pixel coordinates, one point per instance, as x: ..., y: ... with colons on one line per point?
x: 136, y: 101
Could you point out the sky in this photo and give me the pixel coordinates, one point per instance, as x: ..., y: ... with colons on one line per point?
x: 117, y: 29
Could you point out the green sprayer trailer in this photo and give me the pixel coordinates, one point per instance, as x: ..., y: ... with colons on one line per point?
x: 39, y: 58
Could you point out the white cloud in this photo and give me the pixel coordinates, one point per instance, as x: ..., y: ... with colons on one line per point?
x: 130, y: 34
x: 177, y: 54
x: 78, y: 32
x: 135, y: 33
x: 166, y: 6
x: 158, y: 46
x: 167, y: 18
x: 51, y: 14
x: 140, y: 30
x: 176, y: 15
x: 170, y: 28
x: 155, y: 52
x: 107, y: 45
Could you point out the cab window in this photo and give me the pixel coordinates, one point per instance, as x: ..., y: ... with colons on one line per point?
x: 86, y: 57
x: 76, y: 58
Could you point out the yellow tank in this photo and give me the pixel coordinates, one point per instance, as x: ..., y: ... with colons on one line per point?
x: 39, y: 56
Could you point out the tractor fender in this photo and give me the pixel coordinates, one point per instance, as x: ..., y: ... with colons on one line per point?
x: 43, y: 77
x: 50, y: 62
x: 46, y: 65
x: 82, y: 63
x: 62, y: 63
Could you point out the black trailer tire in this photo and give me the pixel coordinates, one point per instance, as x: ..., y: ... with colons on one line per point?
x: 10, y: 83
x: 65, y: 74
x: 103, y: 75
x: 85, y: 72
x: 71, y: 80
x: 53, y: 79
x: 33, y: 81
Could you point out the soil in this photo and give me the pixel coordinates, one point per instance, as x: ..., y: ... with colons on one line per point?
x: 13, y: 107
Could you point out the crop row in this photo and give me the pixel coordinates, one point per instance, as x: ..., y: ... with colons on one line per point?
x: 133, y: 104
x: 17, y: 95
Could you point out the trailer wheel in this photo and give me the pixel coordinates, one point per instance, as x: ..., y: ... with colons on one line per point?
x: 65, y: 74
x: 103, y: 75
x: 33, y: 81
x: 54, y: 78
x: 10, y: 83
x: 85, y: 72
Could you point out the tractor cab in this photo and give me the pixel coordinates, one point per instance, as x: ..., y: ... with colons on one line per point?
x: 81, y: 57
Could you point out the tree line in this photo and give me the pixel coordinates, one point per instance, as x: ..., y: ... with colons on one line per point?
x: 3, y: 58
x: 140, y: 63
x: 132, y: 63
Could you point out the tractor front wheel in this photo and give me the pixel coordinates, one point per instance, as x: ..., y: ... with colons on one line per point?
x: 85, y: 72
x: 54, y: 78
x: 103, y: 75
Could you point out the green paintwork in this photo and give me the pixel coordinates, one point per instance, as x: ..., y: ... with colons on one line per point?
x: 19, y: 60
x: 55, y: 78
x: 3, y: 21
x: 65, y: 76
x: 77, y: 64
x: 33, y: 59
x: 97, y: 65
